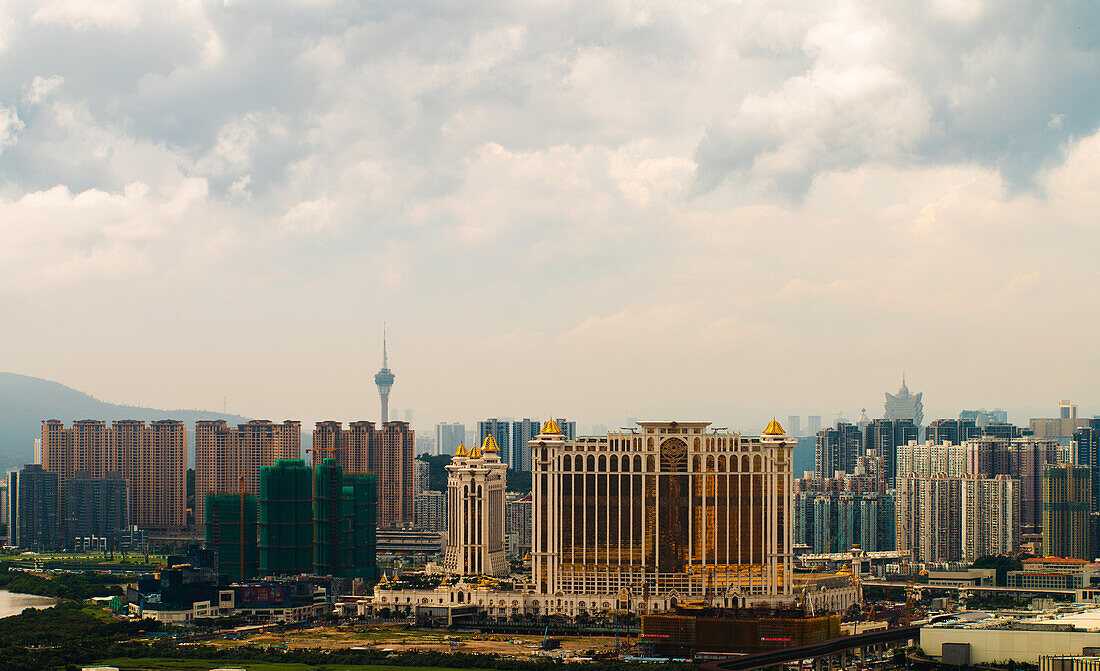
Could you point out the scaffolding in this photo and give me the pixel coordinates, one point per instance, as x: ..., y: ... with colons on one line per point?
x: 286, y: 519
x: 363, y: 494
x: 231, y: 531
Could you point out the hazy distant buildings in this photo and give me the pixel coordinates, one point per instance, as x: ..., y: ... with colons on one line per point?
x: 836, y: 513
x: 501, y: 431
x: 794, y: 426
x: 34, y: 511
x: 983, y: 416
x: 813, y: 424
x: 1063, y: 426
x: 152, y: 458
x: 904, y: 405
x: 448, y: 436
x: 386, y: 453
x: 1067, y: 503
x: 228, y: 460
x: 517, y: 524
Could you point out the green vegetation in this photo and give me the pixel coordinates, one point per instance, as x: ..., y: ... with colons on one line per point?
x: 437, y: 473
x: 518, y: 481
x: 79, y: 586
x: 67, y: 633
x: 1002, y: 564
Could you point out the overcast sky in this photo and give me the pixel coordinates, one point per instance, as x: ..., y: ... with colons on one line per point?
x: 596, y: 209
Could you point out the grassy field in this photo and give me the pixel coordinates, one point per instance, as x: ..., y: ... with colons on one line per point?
x: 163, y: 664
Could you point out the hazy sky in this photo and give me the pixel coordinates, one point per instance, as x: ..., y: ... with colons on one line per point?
x: 595, y: 209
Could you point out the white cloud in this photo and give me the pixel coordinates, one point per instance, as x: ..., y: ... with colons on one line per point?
x: 10, y: 125
x: 705, y: 187
x: 41, y: 88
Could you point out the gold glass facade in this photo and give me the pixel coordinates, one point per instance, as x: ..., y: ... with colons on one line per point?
x: 675, y: 506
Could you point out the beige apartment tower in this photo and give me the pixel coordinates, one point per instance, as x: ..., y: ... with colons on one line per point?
x: 673, y: 510
x: 228, y: 460
x: 152, y: 458
x: 386, y: 452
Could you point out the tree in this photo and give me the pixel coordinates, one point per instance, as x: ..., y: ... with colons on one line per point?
x: 1002, y: 564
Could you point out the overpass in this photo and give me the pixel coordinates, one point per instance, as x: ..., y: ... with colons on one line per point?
x: 759, y: 660
x: 920, y: 586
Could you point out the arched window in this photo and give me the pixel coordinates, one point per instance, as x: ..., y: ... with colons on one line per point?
x: 695, y: 444
x: 591, y: 463
x: 721, y: 463
x: 602, y: 468
x: 650, y: 465
x: 649, y: 443
x: 710, y: 464
x: 614, y: 463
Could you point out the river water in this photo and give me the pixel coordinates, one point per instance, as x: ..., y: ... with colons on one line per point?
x: 13, y: 604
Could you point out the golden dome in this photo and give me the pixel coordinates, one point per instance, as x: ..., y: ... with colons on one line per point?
x: 475, y: 453
x: 489, y: 444
x: 550, y: 428
x: 774, y: 429
x: 461, y: 451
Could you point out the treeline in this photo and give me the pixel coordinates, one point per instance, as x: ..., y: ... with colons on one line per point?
x: 69, y: 633
x: 456, y: 660
x: 76, y: 586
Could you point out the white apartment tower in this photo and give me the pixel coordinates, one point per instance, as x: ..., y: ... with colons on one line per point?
x: 475, y: 511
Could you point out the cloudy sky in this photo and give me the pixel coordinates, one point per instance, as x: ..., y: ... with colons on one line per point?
x: 597, y: 209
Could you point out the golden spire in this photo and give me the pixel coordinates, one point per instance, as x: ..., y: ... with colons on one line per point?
x: 461, y: 451
x: 774, y: 429
x: 489, y: 444
x: 550, y: 428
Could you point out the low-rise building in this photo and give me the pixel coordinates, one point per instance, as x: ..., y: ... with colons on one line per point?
x: 982, y: 638
x: 1054, y: 573
x: 974, y: 577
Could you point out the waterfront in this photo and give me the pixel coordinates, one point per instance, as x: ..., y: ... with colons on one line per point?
x: 12, y: 603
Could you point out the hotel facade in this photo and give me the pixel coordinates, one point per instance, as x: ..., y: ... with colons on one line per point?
x: 637, y: 521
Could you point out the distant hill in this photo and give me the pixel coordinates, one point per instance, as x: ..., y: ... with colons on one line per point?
x: 26, y: 401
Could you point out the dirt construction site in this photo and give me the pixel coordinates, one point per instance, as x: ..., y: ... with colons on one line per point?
x: 396, y: 638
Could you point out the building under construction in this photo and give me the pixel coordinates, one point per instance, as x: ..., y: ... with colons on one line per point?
x: 286, y: 519
x: 231, y: 531
x: 694, y: 630
x: 344, y: 513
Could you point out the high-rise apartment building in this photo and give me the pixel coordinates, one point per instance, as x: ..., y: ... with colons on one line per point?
x: 152, y: 458
x: 229, y: 524
x: 682, y: 509
x: 946, y: 518
x: 927, y: 459
x: 517, y: 524
x: 1067, y: 503
x: 929, y: 518
x: 448, y: 436
x: 345, y: 539
x: 956, y: 431
x: 501, y: 431
x: 475, y: 510
x: 1086, y: 447
x: 285, y: 527
x: 833, y: 514
x: 837, y: 449
x: 95, y: 508
x: 386, y: 452
x: 568, y: 427
x: 34, y: 516
x: 904, y: 405
x: 523, y: 431
x: 420, y: 477
x: 228, y: 460
x: 885, y: 436
x: 431, y: 510
x: 990, y: 516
